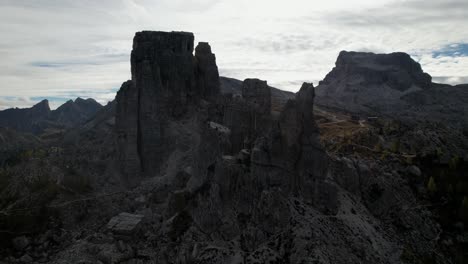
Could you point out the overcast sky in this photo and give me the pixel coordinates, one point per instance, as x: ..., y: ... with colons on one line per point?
x: 62, y: 49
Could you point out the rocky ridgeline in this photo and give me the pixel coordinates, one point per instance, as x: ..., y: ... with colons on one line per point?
x: 27, y: 120
x: 200, y: 175
x: 389, y: 84
x: 233, y: 180
x: 170, y: 85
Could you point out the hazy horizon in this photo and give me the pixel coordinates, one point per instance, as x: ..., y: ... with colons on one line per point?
x: 61, y: 50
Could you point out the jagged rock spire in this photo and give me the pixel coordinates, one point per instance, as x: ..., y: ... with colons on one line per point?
x: 167, y: 79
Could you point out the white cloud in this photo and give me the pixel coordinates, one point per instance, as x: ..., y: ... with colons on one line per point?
x: 86, y: 44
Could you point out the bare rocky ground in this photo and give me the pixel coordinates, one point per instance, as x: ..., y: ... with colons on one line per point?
x: 185, y: 167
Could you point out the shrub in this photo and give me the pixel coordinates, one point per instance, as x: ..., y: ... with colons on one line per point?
x: 431, y: 185
x: 395, y: 147
x: 464, y: 209
x: 378, y: 147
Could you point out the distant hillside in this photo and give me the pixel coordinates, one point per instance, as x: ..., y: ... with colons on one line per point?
x: 39, y: 118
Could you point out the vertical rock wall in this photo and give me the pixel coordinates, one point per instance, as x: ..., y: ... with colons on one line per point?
x: 166, y: 81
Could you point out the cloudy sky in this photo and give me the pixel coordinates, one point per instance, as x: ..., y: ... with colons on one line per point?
x: 62, y: 49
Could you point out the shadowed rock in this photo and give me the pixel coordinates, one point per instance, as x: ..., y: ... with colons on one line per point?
x: 124, y: 223
x: 206, y: 72
x: 167, y: 80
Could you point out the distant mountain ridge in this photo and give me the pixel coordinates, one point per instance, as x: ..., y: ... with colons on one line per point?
x: 39, y: 117
x: 393, y: 85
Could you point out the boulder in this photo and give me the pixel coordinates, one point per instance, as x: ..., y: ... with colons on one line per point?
x: 414, y: 170
x: 125, y: 223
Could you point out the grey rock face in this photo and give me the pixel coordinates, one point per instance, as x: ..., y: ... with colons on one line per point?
x: 390, y: 85
x: 207, y: 75
x: 167, y: 80
x: 235, y: 179
x: 163, y: 76
x: 127, y: 129
x: 258, y: 94
x: 248, y: 116
x: 293, y: 145
x: 360, y: 80
x: 397, y: 70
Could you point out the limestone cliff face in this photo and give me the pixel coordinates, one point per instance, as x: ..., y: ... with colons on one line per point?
x: 397, y: 70
x: 372, y: 83
x: 293, y: 148
x: 166, y: 81
x: 392, y: 85
x: 258, y: 93
x: 249, y: 114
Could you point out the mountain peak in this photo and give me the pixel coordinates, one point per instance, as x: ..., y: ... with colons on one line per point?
x: 79, y: 99
x: 42, y: 106
x: 396, y: 70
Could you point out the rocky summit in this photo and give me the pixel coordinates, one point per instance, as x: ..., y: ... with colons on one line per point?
x: 167, y: 82
x: 186, y: 166
x: 390, y: 84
